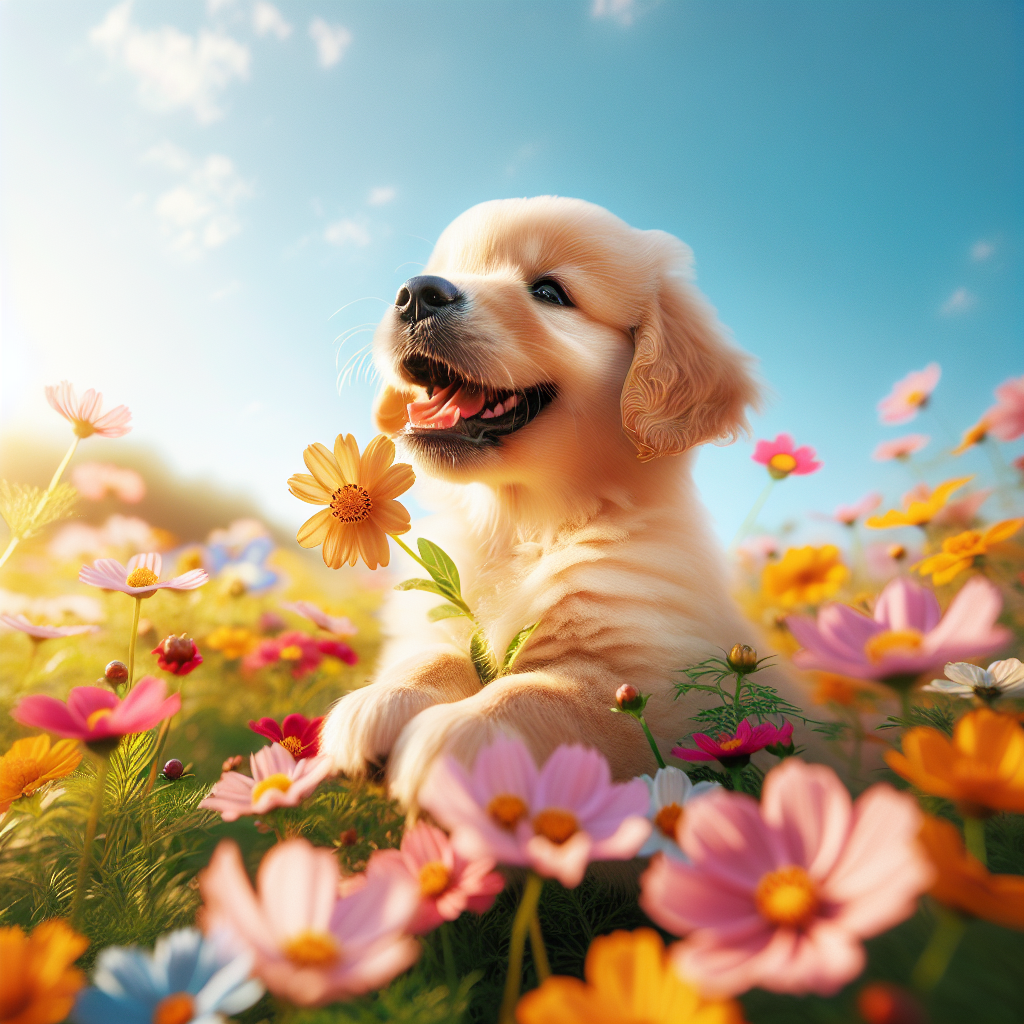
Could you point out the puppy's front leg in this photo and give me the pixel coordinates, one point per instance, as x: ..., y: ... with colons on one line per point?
x: 363, y: 726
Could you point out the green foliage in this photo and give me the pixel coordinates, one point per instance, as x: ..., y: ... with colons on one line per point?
x: 939, y: 715
x: 482, y: 656
x: 27, y: 509
x: 517, y: 643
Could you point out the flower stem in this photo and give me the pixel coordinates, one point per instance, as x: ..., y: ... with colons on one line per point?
x: 451, y: 977
x: 412, y: 554
x: 931, y: 965
x: 540, y: 953
x: 974, y: 838
x: 752, y: 515
x: 905, y: 704
x: 650, y: 739
x: 90, y: 835
x: 737, y: 779
x: 131, y: 644
x: 520, y: 926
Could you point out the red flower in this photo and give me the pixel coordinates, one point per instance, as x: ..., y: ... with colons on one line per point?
x: 302, y: 650
x: 299, y: 735
x: 733, y: 750
x: 177, y: 654
x: 338, y: 649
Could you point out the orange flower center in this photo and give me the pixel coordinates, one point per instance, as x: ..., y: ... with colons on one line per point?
x: 313, y: 949
x: 729, y: 742
x: 898, y: 641
x: 177, y: 1008
x: 783, y: 462
x: 351, y: 503
x: 275, y: 781
x: 90, y: 722
x: 667, y: 820
x: 293, y: 652
x: 507, y: 810
x: 142, y: 577
x: 896, y: 552
x: 787, y: 897
x: 83, y: 428
x: 966, y: 544
x: 434, y: 878
x: 917, y: 397
x: 293, y: 745
x: 555, y: 824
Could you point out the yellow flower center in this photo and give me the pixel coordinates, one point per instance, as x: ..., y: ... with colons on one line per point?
x: 275, y: 781
x: 177, y: 1008
x: 783, y: 462
x: 142, y: 577
x: 293, y: 745
x: 313, y: 949
x: 555, y: 824
x: 728, y: 742
x: 787, y: 897
x: 964, y: 545
x: 507, y: 810
x: 293, y: 652
x: 90, y: 722
x: 351, y: 503
x: 900, y: 641
x: 83, y: 428
x: 434, y: 878
x: 667, y: 820
x: 917, y: 397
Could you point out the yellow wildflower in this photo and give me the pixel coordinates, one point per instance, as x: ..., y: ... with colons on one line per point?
x: 805, y: 575
x: 959, y: 552
x: 232, y: 641
x: 918, y: 513
x: 972, y: 436
x: 31, y: 763
x: 37, y: 982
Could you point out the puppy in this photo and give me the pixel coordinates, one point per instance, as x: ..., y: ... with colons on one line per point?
x: 550, y: 374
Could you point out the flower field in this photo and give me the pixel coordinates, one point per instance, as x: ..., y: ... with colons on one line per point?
x: 175, y: 848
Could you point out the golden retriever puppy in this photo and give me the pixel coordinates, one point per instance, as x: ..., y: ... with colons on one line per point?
x: 550, y: 374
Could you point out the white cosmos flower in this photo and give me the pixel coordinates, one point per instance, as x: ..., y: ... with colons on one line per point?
x: 671, y: 789
x: 1000, y: 679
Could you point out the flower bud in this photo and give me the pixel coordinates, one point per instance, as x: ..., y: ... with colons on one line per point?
x: 231, y: 763
x: 742, y: 658
x: 173, y: 769
x: 177, y: 654
x: 349, y: 837
x: 883, y: 1003
x: 628, y: 698
x: 236, y: 588
x: 116, y: 672
x: 896, y: 552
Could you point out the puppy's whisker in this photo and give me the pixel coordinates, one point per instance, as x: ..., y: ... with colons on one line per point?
x: 351, y: 332
x: 365, y: 298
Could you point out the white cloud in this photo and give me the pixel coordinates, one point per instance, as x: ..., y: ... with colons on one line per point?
x: 381, y: 196
x: 982, y: 250
x: 622, y: 11
x: 331, y: 41
x: 173, y: 69
x: 198, y: 214
x: 345, y: 232
x: 268, y: 20
x: 959, y: 302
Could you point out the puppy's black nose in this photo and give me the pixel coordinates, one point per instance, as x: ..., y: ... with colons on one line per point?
x: 424, y: 296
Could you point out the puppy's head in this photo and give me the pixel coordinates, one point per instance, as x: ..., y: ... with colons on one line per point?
x: 545, y: 331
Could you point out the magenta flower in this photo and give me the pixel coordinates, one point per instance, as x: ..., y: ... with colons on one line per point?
x: 93, y: 481
x: 556, y: 820
x: 448, y: 883
x: 336, y: 624
x: 900, y: 448
x: 1005, y: 419
x: 299, y: 735
x: 908, y: 634
x: 85, y: 416
x: 94, y: 713
x: 781, y: 459
x: 278, y: 780
x: 140, y: 578
x: 909, y: 395
x: 302, y: 651
x: 849, y: 514
x: 780, y: 895
x: 311, y: 945
x: 20, y: 623
x: 733, y: 750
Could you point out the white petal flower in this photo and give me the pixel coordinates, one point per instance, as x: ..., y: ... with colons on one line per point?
x: 1001, y: 678
x: 671, y: 789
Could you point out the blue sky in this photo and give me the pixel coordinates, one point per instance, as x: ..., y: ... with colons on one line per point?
x: 199, y: 199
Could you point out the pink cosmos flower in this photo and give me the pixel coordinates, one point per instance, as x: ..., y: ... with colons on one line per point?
x: 20, y: 623
x: 900, y: 448
x: 278, y: 780
x: 93, y: 480
x: 781, y: 459
x: 734, y: 750
x: 85, y: 415
x: 311, y: 945
x: 336, y: 624
x: 849, y: 514
x: 448, y: 884
x: 1006, y: 418
x: 780, y: 895
x: 140, y: 578
x: 94, y: 713
x: 556, y: 820
x: 909, y: 395
x: 302, y: 651
x: 963, y: 511
x: 299, y: 735
x: 908, y: 634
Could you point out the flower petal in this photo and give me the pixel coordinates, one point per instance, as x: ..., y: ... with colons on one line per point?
x: 306, y: 488
x: 346, y: 452
x: 313, y: 532
x: 321, y: 463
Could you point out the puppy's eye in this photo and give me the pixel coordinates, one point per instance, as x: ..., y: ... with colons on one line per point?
x: 549, y: 290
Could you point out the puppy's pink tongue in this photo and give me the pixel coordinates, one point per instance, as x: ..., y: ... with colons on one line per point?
x: 445, y: 409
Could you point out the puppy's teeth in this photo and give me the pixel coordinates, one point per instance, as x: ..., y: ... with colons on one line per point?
x: 499, y: 409
x: 487, y: 415
x: 511, y: 401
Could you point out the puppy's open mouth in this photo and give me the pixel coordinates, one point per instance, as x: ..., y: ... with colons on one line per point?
x: 472, y: 410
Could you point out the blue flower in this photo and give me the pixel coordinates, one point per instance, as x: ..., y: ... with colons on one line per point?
x: 248, y: 565
x: 185, y: 980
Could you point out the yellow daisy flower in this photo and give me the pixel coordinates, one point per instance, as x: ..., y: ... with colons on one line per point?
x: 359, y: 493
x: 918, y: 513
x: 805, y: 575
x: 31, y: 763
x: 232, y: 641
x: 37, y: 982
x: 958, y: 553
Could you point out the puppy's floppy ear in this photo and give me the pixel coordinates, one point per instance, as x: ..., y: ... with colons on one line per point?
x: 687, y: 384
x: 389, y: 412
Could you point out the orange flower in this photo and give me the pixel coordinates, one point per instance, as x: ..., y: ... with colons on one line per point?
x: 972, y: 436
x: 232, y: 641
x: 805, y: 575
x: 30, y: 763
x: 982, y: 767
x: 964, y: 884
x: 846, y: 692
x: 629, y: 981
x: 917, y: 513
x: 37, y: 982
x: 958, y: 553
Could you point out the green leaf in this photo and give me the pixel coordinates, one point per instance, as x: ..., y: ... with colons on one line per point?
x: 445, y: 611
x: 428, y: 585
x: 484, y: 662
x: 27, y: 509
x: 515, y: 646
x: 440, y: 567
